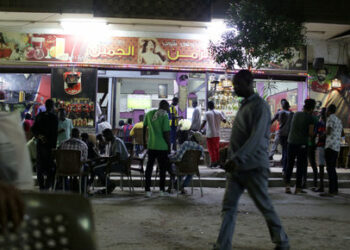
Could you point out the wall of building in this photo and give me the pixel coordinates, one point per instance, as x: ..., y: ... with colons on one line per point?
x: 333, y: 52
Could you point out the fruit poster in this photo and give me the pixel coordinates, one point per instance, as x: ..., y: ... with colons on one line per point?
x: 74, y: 89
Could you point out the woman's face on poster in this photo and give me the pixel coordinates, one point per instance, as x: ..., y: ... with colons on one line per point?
x: 150, y: 46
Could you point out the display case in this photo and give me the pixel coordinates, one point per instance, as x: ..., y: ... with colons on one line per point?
x: 220, y: 91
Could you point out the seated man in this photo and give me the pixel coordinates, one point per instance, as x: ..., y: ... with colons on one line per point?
x: 74, y: 143
x: 193, y: 143
x: 116, y: 146
x: 92, y: 151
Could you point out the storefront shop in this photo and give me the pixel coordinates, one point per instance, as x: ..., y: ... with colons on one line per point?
x: 127, y: 76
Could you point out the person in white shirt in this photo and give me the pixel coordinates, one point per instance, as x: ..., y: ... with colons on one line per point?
x: 103, y: 125
x: 334, y: 131
x: 196, y: 117
x: 212, y: 120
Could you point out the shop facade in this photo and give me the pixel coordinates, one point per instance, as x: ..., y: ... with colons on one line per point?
x: 127, y: 76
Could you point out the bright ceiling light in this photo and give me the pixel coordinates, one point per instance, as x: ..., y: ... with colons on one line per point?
x: 95, y: 30
x: 216, y: 28
x: 83, y: 25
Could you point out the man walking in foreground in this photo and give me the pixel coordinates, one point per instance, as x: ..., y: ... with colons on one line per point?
x: 248, y: 164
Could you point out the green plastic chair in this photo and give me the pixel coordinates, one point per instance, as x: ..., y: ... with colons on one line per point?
x: 52, y: 221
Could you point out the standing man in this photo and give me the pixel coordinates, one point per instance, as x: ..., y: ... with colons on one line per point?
x: 334, y: 131
x: 302, y: 128
x: 196, y: 117
x: 320, y: 134
x: 248, y: 164
x: 65, y: 127
x: 45, y: 129
x: 284, y: 118
x: 103, y: 125
x: 212, y: 119
x: 311, y: 155
x: 173, y: 121
x: 157, y: 122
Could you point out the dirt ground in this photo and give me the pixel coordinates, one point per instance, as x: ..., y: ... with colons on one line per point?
x: 130, y: 221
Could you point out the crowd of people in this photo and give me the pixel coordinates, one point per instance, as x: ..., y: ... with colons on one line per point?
x: 303, y: 136
x: 167, y: 136
x: 162, y: 129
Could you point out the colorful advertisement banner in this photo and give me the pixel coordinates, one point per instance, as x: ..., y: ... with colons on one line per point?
x: 120, y: 52
x: 133, y: 52
x: 75, y: 91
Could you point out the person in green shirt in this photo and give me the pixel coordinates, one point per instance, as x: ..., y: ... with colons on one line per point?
x: 158, y: 144
x: 302, y: 128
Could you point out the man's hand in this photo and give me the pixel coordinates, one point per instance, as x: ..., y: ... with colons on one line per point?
x: 230, y: 166
x: 11, y: 206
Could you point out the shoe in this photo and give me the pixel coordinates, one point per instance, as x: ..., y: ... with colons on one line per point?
x: 288, y: 190
x: 299, y: 191
x: 326, y: 195
x: 101, y: 191
x: 163, y: 194
x: 183, y: 191
x: 148, y: 194
x: 111, y: 187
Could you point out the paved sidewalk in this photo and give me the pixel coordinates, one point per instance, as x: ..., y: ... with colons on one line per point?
x: 130, y: 221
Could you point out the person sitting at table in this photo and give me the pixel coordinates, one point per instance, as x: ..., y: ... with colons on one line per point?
x: 74, y: 143
x: 92, y: 151
x: 101, y: 145
x: 116, y: 145
x: 192, y: 143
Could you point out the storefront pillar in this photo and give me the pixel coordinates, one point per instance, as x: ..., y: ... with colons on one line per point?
x: 116, y: 100
x: 302, y: 94
x: 260, y: 88
x: 182, y: 82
